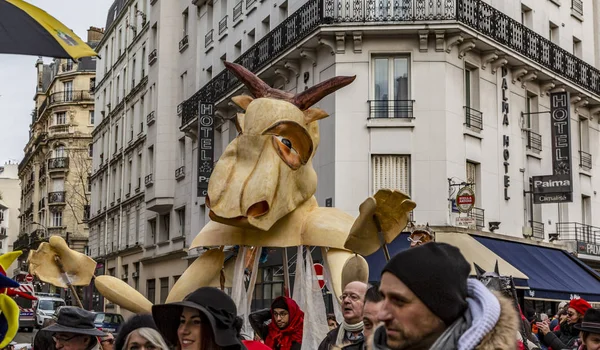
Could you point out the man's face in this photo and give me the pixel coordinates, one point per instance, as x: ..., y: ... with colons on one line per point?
x: 370, y: 313
x: 281, y: 317
x: 71, y: 341
x: 408, y: 322
x: 353, y: 302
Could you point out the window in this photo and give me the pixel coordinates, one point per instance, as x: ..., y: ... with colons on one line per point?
x: 526, y: 16
x: 59, y: 151
x: 61, y: 118
x: 251, y: 38
x: 181, y: 218
x: 136, y: 274
x: 471, y: 86
x: 182, y: 88
x: 91, y: 149
x: 182, y: 151
x: 139, y: 170
x: 165, y: 221
x: 120, y: 42
x: 283, y: 11
x: 127, y: 226
x: 391, y: 87
x: 265, y: 26
x: 151, y: 290
x: 185, y: 22
x: 125, y: 271
x: 57, y: 219
x: 68, y: 91
x: 151, y: 231
x: 92, y: 84
x: 584, y: 134
x: 116, y: 138
x: 143, y: 62
x: 473, y: 177
x: 586, y: 211
x: 141, y: 112
x: 91, y: 118
x: 131, y: 121
x: 577, y: 47
x: 553, y: 32
x: 237, y: 50
x: 391, y: 171
x: 164, y: 289
x: 150, y: 159
x: 133, y: 70
x: 137, y: 225
x: 118, y: 83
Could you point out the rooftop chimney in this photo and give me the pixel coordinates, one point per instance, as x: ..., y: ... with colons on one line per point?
x: 95, y: 34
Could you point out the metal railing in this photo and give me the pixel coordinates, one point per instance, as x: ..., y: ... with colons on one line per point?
x: 56, y: 197
x: 208, y: 38
x: 249, y: 3
x: 65, y: 97
x: 585, y: 160
x: 534, y: 141
x: 152, y: 56
x: 179, y: 109
x: 183, y: 43
x: 391, y: 109
x: 180, y: 172
x: 479, y: 215
x: 150, y: 118
x: 473, y: 119
x: 575, y: 231
x: 237, y: 10
x: 577, y: 6
x: 537, y: 229
x: 149, y: 180
x: 58, y: 163
x: 223, y: 25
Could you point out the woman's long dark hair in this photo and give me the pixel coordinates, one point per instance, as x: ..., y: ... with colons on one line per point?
x: 43, y: 341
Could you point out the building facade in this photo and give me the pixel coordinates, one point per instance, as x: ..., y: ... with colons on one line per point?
x: 141, y: 205
x: 448, y: 94
x: 55, y: 170
x: 10, y: 200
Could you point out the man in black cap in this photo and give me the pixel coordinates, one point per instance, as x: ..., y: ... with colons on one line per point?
x: 430, y: 303
x: 75, y: 330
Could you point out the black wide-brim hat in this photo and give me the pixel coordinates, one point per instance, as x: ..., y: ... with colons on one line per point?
x: 75, y: 320
x: 214, y: 305
x: 590, y: 323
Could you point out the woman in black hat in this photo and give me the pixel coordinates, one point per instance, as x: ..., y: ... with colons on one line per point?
x: 204, y: 320
x: 590, y: 330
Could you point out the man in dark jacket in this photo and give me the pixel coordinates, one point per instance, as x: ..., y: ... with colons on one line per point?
x: 285, y: 329
x: 373, y: 302
x: 350, y: 331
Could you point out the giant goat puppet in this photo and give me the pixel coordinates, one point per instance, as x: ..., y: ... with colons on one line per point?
x: 261, y: 194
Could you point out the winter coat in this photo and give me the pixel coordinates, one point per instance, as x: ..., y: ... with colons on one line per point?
x: 329, y: 342
x: 502, y: 336
x: 258, y: 321
x: 565, y: 338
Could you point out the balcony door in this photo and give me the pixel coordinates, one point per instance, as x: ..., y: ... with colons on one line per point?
x: 59, y: 152
x: 391, y: 87
x: 68, y: 91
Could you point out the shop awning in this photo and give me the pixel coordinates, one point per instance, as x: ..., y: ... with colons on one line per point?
x: 473, y: 251
x: 553, y: 274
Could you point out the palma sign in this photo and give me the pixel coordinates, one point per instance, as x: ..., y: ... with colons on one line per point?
x: 465, y: 199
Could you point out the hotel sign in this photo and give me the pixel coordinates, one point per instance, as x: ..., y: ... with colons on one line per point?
x: 558, y: 187
x: 206, y: 146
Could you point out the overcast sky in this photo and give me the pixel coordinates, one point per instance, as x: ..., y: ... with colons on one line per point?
x: 18, y: 74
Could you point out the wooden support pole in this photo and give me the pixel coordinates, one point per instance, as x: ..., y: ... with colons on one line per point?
x: 286, y: 274
x: 68, y: 281
x: 384, y: 247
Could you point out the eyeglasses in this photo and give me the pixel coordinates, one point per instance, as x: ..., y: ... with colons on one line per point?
x: 353, y: 297
x: 64, y: 339
x: 280, y: 314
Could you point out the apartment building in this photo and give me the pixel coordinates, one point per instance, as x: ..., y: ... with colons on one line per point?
x: 140, y: 199
x: 449, y: 94
x: 10, y: 202
x: 54, y: 173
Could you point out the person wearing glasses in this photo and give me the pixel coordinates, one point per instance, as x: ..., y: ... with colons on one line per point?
x: 107, y: 342
x: 567, y: 336
x: 285, y: 330
x: 350, y: 330
x: 75, y: 330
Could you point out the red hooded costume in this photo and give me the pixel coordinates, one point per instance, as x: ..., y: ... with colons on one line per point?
x: 292, y: 333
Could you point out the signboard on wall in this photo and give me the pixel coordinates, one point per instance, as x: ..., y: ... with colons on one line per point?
x: 465, y: 199
x: 206, y: 146
x: 558, y: 187
x: 588, y: 248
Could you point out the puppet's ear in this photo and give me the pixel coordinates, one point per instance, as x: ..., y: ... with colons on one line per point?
x: 313, y: 114
x: 242, y: 101
x: 9, y: 320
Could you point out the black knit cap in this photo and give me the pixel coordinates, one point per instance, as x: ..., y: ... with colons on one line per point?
x: 437, y: 273
x: 135, y: 322
x: 279, y: 303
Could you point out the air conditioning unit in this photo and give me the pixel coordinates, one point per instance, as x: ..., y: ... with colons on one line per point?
x: 527, y: 232
x: 135, y: 274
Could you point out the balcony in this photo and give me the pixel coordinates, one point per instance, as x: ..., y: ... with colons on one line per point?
x: 149, y: 180
x: 66, y: 97
x: 179, y: 109
x: 473, y: 119
x: 237, y: 11
x: 58, y: 129
x: 537, y: 229
x: 250, y: 3
x: 479, y: 215
x: 391, y: 109
x: 585, y: 160
x: 150, y: 118
x: 223, y: 25
x: 534, y: 141
x: 59, y: 163
x: 180, y: 173
x: 152, y: 57
x: 208, y: 38
x: 56, y: 197
x: 575, y: 231
x: 183, y: 43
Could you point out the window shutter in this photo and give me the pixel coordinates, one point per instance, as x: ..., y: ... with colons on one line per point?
x: 392, y: 172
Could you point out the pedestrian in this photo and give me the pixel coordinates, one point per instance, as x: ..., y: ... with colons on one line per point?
x: 332, y: 322
x: 139, y: 330
x: 205, y: 320
x: 43, y: 341
x: 350, y: 331
x: 590, y: 330
x: 373, y: 303
x: 285, y: 330
x: 107, y: 342
x: 429, y: 302
x: 75, y: 330
x: 567, y: 336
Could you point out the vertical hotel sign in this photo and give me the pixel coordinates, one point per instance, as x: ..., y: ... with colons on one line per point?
x: 206, y: 146
x: 558, y: 187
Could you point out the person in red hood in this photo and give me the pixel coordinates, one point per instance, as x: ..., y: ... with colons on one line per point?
x: 286, y: 327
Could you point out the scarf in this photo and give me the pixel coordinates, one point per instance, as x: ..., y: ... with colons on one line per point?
x: 344, y: 327
x: 292, y: 333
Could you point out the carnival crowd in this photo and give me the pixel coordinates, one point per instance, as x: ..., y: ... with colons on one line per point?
x: 425, y: 300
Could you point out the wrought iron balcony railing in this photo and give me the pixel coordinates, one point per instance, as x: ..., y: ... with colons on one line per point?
x: 250, y: 3
x: 65, y: 97
x: 473, y: 119
x: 537, y: 229
x: 534, y: 141
x: 575, y: 231
x: 223, y: 25
x: 58, y: 163
x: 56, y: 197
x: 479, y: 215
x: 152, y: 57
x: 585, y: 160
x: 149, y: 180
x: 237, y: 11
x: 184, y: 43
x: 391, y: 108
x: 208, y: 38
x: 150, y: 118
x: 577, y: 6
x: 180, y: 173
